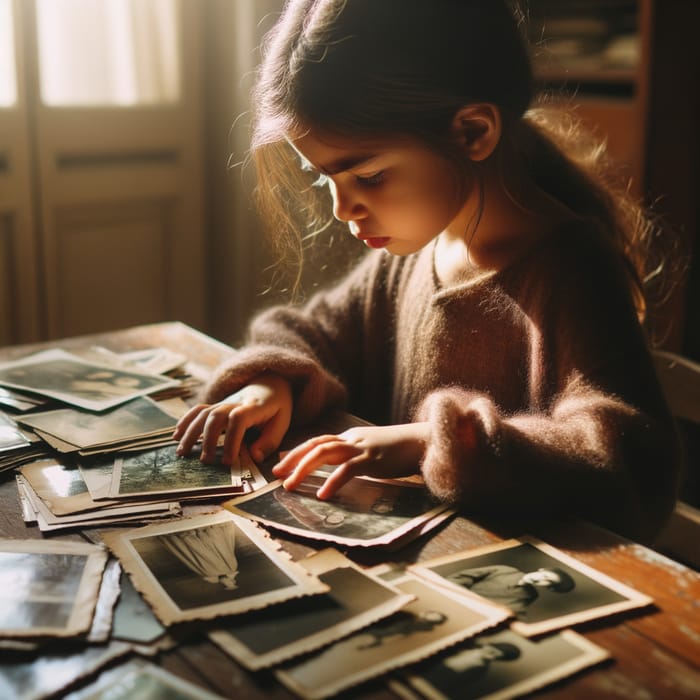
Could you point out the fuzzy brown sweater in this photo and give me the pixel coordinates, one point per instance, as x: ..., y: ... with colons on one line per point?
x: 536, y: 380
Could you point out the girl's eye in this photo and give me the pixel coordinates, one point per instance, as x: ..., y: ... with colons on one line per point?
x: 371, y: 180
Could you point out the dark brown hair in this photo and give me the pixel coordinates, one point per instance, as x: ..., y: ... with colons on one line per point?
x: 372, y: 69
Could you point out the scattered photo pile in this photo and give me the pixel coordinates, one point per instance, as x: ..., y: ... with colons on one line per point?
x: 178, y: 547
x: 67, y: 378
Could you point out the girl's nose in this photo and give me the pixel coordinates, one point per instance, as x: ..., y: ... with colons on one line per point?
x: 347, y: 204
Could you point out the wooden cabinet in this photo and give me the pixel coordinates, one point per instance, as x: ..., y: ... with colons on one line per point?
x: 594, y: 55
x: 631, y: 70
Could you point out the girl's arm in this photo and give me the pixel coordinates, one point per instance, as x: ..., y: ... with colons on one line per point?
x: 310, y: 352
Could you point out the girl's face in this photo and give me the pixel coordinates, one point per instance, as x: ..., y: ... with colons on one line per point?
x: 398, y: 196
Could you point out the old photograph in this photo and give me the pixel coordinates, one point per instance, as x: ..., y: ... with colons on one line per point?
x: 364, y: 512
x: 48, y: 588
x: 501, y: 665
x: 136, y: 418
x: 435, y: 620
x: 355, y: 599
x: 68, y: 378
x: 544, y: 588
x: 139, y: 679
x: 207, y: 566
x: 162, y: 471
x: 11, y: 437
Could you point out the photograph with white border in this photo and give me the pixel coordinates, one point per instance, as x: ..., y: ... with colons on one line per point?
x: 48, y: 588
x: 544, y: 588
x: 207, y: 566
x: 499, y: 666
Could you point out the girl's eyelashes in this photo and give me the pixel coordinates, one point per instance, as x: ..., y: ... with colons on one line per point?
x: 366, y: 181
x: 371, y: 180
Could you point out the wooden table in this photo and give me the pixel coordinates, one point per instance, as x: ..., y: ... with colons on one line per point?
x: 656, y: 653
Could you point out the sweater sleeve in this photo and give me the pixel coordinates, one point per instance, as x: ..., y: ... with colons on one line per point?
x: 315, y: 346
x: 597, y: 439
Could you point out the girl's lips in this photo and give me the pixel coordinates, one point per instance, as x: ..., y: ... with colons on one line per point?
x: 376, y: 241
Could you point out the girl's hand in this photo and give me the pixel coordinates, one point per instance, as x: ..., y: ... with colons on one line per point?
x: 266, y: 403
x: 378, y: 451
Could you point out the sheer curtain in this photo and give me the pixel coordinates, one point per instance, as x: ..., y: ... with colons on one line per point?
x: 108, y: 52
x: 8, y: 80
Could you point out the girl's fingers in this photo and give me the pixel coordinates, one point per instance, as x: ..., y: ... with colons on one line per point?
x: 235, y: 431
x: 211, y: 430
x: 192, y: 433
x: 337, y: 479
x: 186, y: 420
x: 291, y: 459
x: 335, y: 452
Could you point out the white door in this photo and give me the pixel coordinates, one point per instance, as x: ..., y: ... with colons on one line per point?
x: 19, y: 303
x: 114, y: 112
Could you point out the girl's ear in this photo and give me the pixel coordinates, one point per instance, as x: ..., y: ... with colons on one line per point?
x: 477, y: 127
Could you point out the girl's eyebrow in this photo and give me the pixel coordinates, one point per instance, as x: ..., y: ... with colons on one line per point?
x: 339, y: 165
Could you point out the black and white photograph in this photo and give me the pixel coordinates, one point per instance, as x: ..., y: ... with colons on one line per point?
x: 139, y: 679
x: 356, y: 598
x: 211, y: 565
x: 136, y: 418
x: 11, y: 437
x: 542, y: 587
x: 499, y: 666
x: 435, y: 620
x: 68, y: 378
x: 48, y: 588
x: 162, y: 471
x: 365, y: 512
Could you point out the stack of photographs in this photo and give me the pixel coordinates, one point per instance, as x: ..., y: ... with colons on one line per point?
x: 17, y: 446
x: 137, y: 424
x: 126, y: 487
x: 65, y: 377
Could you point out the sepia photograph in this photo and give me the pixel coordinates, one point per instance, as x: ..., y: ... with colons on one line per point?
x: 207, y: 566
x: 63, y: 376
x: 499, y: 666
x: 365, y: 512
x: 136, y: 418
x: 436, y: 619
x: 355, y: 599
x: 544, y: 588
x: 48, y: 588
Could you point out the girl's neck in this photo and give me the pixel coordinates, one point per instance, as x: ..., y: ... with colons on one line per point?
x: 501, y: 233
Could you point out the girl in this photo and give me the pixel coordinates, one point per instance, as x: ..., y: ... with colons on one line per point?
x: 492, y: 332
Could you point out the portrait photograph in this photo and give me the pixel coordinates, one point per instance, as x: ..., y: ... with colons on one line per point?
x: 543, y: 588
x: 207, y: 566
x: 435, y: 620
x: 355, y: 599
x: 68, y: 378
x: 48, y: 588
x: 499, y: 666
x: 365, y: 512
